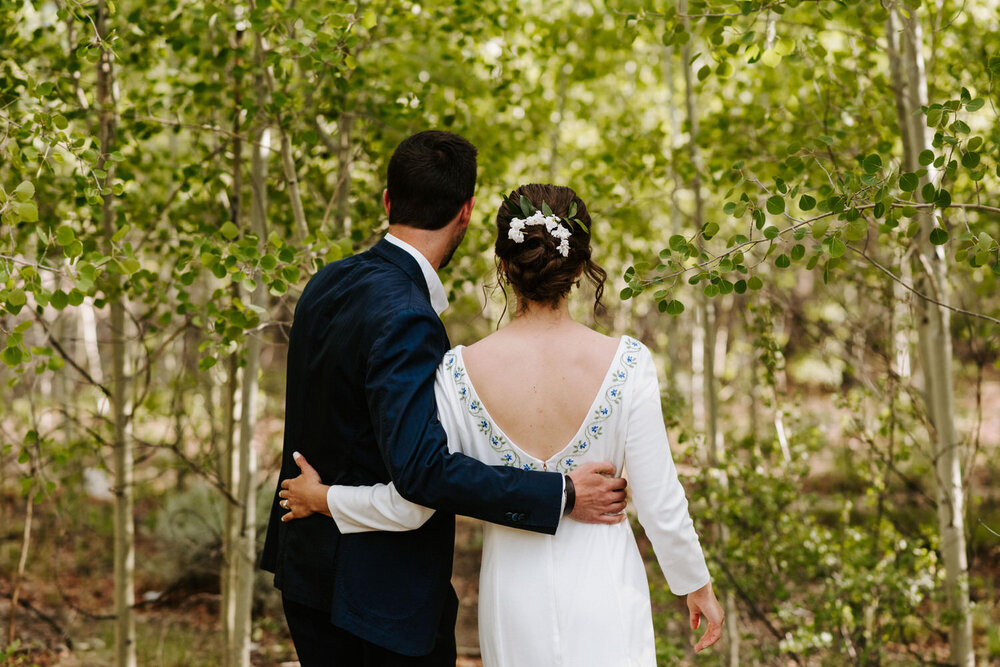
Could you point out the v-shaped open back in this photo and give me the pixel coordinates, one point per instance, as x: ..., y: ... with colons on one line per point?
x: 579, y: 442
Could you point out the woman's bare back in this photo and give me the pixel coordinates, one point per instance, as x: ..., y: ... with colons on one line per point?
x: 538, y: 382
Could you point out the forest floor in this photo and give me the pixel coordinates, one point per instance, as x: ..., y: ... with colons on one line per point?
x: 62, y: 617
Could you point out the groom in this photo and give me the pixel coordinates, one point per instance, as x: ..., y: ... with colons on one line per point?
x: 365, y: 344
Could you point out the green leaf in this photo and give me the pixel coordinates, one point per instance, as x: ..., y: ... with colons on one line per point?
x: 798, y: 251
x: 546, y: 210
x: 704, y: 72
x: 908, y: 182
x: 807, y: 203
x: 872, y: 164
x: 12, y: 356
x: 939, y: 236
x: 975, y: 105
x: 16, y: 297
x: 527, y: 208
x: 369, y: 20
x: 928, y: 192
x: 571, y: 213
x: 925, y: 157
x: 626, y: 294
x: 59, y: 299
x: 771, y: 232
x: 819, y: 228
x: 837, y: 248
x: 120, y: 234
x: 677, y: 242
x: 856, y: 230
x: 24, y: 191
x: 959, y: 127
x: 27, y: 210
x: 970, y: 160
x: 229, y: 230
x: 675, y: 307
x: 776, y: 205
x: 206, y: 362
x: 710, y: 229
x: 65, y: 235
x: 782, y: 261
x: 755, y: 283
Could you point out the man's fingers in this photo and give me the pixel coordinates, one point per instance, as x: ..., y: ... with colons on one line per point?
x: 617, y: 484
x: 600, y: 467
x: 286, y: 483
x: 609, y: 519
x: 695, y: 620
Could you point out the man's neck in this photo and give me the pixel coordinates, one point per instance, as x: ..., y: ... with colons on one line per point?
x: 432, y: 244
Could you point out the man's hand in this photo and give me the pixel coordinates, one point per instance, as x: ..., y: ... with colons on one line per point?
x: 305, y: 494
x: 703, y: 602
x: 600, y: 496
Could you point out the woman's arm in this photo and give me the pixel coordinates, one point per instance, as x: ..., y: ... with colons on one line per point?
x: 356, y: 509
x: 662, y: 506
x: 656, y: 491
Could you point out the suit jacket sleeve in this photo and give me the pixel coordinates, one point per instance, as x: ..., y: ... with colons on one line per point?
x: 400, y: 391
x: 361, y: 509
x: 656, y: 491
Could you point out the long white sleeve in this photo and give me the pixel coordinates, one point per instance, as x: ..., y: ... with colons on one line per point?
x: 656, y: 491
x: 359, y: 509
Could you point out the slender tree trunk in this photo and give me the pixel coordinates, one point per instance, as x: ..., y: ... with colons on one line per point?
x: 29, y: 511
x: 714, y: 445
x: 287, y: 161
x: 124, y: 502
x: 563, y: 82
x: 674, y: 114
x: 230, y: 457
x: 243, y: 531
x: 934, y: 334
x: 342, y: 194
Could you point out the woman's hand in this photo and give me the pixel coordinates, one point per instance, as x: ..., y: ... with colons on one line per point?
x: 703, y: 602
x: 305, y: 494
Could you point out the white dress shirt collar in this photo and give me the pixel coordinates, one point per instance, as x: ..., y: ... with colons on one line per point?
x: 439, y: 300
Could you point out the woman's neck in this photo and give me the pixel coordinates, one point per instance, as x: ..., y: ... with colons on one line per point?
x: 531, y: 314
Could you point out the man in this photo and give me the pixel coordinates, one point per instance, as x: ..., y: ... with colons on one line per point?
x: 365, y: 344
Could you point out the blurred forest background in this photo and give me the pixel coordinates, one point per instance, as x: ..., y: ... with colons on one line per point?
x: 796, y: 201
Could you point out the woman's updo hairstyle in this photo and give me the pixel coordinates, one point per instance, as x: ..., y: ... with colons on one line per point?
x: 535, y: 268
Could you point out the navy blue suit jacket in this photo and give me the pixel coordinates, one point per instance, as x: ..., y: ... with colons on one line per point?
x: 365, y: 345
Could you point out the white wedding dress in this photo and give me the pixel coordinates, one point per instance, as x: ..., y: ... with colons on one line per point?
x: 579, y: 597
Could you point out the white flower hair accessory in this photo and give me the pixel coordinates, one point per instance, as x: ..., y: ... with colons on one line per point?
x: 553, y: 223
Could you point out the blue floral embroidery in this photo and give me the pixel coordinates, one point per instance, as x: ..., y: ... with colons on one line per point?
x: 619, y: 375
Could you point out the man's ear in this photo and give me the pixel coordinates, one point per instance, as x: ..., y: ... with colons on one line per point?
x: 385, y: 200
x: 465, y: 214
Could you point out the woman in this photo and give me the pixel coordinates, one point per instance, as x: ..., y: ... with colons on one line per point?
x: 548, y: 393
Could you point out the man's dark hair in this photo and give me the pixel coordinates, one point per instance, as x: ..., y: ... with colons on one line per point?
x: 431, y: 175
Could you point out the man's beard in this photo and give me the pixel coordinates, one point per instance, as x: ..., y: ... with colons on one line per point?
x: 456, y: 241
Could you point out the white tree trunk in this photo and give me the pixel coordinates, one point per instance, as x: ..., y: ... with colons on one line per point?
x: 706, y: 340
x: 934, y: 334
x: 124, y: 570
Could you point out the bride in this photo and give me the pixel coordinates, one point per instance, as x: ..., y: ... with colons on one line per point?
x: 548, y: 393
